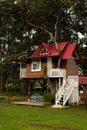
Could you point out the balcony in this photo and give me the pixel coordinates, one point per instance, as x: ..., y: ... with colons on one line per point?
x: 23, y: 72
x: 53, y: 73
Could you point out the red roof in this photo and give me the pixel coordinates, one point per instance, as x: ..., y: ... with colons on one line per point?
x: 66, y: 49
x: 83, y: 80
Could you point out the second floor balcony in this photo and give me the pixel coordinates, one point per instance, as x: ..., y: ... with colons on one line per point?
x: 53, y: 73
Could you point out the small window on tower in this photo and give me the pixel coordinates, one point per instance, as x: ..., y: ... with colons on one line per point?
x: 74, y: 55
x: 44, y: 51
x: 81, y: 89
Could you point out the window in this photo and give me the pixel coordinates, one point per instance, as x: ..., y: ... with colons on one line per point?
x: 74, y: 55
x: 22, y: 70
x: 43, y: 51
x: 81, y: 89
x: 36, y: 65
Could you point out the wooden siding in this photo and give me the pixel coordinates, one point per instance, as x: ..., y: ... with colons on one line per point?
x: 85, y: 91
x: 54, y: 62
x: 72, y: 67
x: 35, y: 74
x: 83, y: 95
x: 64, y: 64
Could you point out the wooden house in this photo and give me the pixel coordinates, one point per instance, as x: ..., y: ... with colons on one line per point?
x: 82, y: 88
x: 43, y: 64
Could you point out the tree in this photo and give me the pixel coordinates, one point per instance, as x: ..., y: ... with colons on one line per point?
x: 64, y: 15
x: 61, y: 21
x: 71, y: 16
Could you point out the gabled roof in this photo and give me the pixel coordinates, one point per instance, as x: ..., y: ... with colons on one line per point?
x: 82, y: 79
x: 50, y: 48
x: 66, y: 49
x: 67, y: 53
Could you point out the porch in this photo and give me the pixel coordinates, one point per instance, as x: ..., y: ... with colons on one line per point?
x: 51, y: 73
x: 28, y: 103
x: 57, y: 72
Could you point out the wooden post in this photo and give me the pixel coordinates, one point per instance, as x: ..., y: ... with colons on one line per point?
x: 20, y: 69
x: 77, y: 98
x: 73, y: 98
x: 29, y: 94
x: 1, y: 87
x: 59, y: 82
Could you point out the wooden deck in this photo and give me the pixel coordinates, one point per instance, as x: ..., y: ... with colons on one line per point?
x: 28, y: 103
x: 39, y: 104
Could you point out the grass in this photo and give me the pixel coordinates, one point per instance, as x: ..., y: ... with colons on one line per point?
x: 16, y: 117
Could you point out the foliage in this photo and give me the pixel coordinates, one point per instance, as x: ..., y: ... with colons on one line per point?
x: 18, y: 39
x: 83, y: 50
x: 84, y: 65
x: 12, y: 98
x: 49, y: 99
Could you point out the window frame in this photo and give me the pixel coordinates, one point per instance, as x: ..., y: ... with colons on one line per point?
x: 43, y: 51
x: 81, y: 89
x: 39, y: 65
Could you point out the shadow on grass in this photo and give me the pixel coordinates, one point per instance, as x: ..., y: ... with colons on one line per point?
x: 49, y: 127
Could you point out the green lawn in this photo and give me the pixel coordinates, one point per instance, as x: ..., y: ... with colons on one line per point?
x: 16, y: 117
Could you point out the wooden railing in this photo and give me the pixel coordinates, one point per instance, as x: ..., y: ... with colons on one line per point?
x: 65, y: 92
x: 68, y: 92
x: 60, y: 92
x: 23, y: 72
x: 56, y: 73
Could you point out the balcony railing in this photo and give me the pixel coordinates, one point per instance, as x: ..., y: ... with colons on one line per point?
x: 56, y: 73
x: 23, y: 72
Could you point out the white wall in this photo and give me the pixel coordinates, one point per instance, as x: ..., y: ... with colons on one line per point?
x: 74, y: 98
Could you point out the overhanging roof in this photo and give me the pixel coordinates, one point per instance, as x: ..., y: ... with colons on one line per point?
x: 66, y: 49
x: 67, y: 53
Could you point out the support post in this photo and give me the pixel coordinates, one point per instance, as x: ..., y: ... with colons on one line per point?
x: 77, y: 98
x: 20, y: 69
x: 29, y: 94
x: 73, y: 98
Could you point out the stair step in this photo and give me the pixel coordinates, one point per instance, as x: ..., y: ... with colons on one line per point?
x: 60, y: 101
x: 62, y: 98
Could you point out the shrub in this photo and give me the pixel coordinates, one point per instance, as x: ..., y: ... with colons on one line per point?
x: 49, y: 99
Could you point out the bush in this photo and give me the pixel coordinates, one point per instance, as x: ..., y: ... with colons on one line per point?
x: 13, y: 89
x: 49, y: 99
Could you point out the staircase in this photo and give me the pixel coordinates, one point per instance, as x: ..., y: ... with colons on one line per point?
x: 64, y: 93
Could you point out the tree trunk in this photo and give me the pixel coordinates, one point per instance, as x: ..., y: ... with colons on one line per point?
x: 54, y: 39
x: 29, y: 93
x: 59, y: 54
x: 52, y: 86
x: 1, y: 87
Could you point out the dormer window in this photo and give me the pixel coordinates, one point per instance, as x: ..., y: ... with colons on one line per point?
x: 43, y: 51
